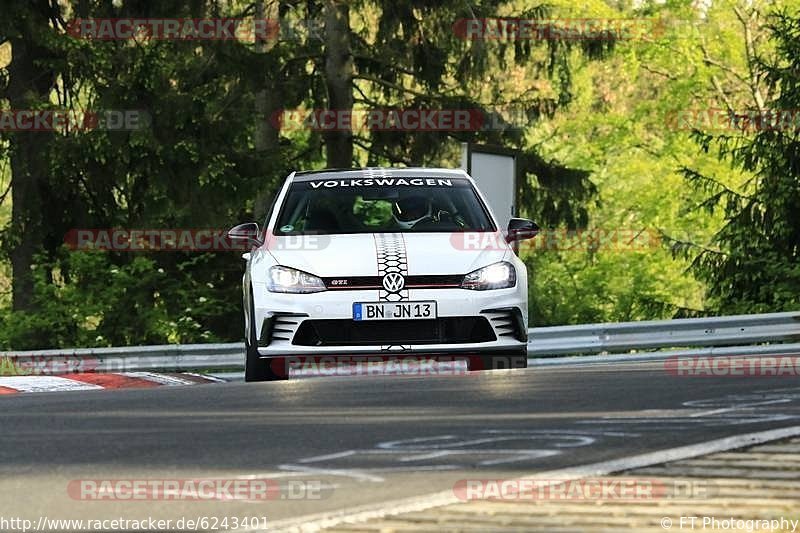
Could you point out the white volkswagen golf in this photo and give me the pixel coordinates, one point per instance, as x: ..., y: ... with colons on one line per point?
x: 383, y: 262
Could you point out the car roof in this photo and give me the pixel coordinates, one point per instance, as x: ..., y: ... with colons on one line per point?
x: 375, y: 172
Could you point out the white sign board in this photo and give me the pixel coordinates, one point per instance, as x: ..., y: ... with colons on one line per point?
x: 494, y: 171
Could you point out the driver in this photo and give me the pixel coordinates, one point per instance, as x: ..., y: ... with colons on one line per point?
x: 410, y: 210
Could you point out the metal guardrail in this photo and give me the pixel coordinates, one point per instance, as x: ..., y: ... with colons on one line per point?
x: 162, y: 358
x: 738, y: 332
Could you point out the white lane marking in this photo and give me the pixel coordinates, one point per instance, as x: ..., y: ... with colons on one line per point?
x: 739, y: 407
x: 393, y: 443
x: 561, y: 432
x: 476, y: 451
x: 413, y: 444
x: 453, y: 447
x: 364, y: 474
x: 519, y: 455
x: 344, y: 472
x: 730, y: 410
x: 41, y: 383
x: 427, y: 468
x: 227, y: 376
x: 271, y: 475
x: 161, y: 379
x: 424, y: 456
x: 360, y: 514
x: 456, y: 448
x: 337, y: 455
x: 531, y: 454
x: 207, y: 377
x: 569, y: 441
x: 732, y: 399
x: 687, y: 422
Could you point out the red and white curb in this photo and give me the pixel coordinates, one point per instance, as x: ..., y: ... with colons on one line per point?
x: 97, y: 381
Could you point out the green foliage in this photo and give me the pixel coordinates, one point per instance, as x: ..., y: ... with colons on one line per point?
x: 192, y: 165
x: 616, y: 127
x: 9, y: 368
x: 415, y: 60
x: 373, y: 213
x: 92, y: 301
x: 754, y: 262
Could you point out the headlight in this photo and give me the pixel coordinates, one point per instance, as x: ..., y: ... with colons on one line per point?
x: 285, y: 279
x: 495, y: 276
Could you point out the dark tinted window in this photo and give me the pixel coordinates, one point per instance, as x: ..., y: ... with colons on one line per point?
x: 382, y: 205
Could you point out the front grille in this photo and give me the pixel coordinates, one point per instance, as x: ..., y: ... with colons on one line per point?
x: 430, y: 281
x: 434, y: 281
x: 346, y: 332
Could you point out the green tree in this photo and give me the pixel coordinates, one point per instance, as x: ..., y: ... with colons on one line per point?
x: 204, y: 160
x: 618, y: 127
x: 753, y: 264
x: 30, y: 79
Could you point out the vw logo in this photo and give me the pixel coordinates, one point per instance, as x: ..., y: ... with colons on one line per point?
x: 393, y: 282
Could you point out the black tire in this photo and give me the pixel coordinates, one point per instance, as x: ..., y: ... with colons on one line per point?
x: 255, y: 368
x: 503, y: 361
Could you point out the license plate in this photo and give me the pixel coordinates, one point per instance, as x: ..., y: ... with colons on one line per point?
x: 394, y: 311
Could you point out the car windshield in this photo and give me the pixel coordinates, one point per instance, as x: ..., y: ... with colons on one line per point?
x: 374, y: 205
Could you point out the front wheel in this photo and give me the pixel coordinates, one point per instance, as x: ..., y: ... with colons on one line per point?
x: 255, y: 368
x: 500, y: 361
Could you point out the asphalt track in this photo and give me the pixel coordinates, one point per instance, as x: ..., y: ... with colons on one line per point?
x: 340, y: 442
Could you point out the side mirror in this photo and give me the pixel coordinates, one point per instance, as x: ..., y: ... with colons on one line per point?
x: 247, y: 232
x: 520, y: 229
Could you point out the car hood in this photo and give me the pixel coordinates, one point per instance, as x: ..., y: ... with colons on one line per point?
x: 365, y: 254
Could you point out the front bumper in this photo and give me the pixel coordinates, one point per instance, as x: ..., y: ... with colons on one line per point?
x: 283, y: 322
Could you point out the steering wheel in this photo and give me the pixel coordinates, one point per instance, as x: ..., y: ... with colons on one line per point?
x: 436, y: 218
